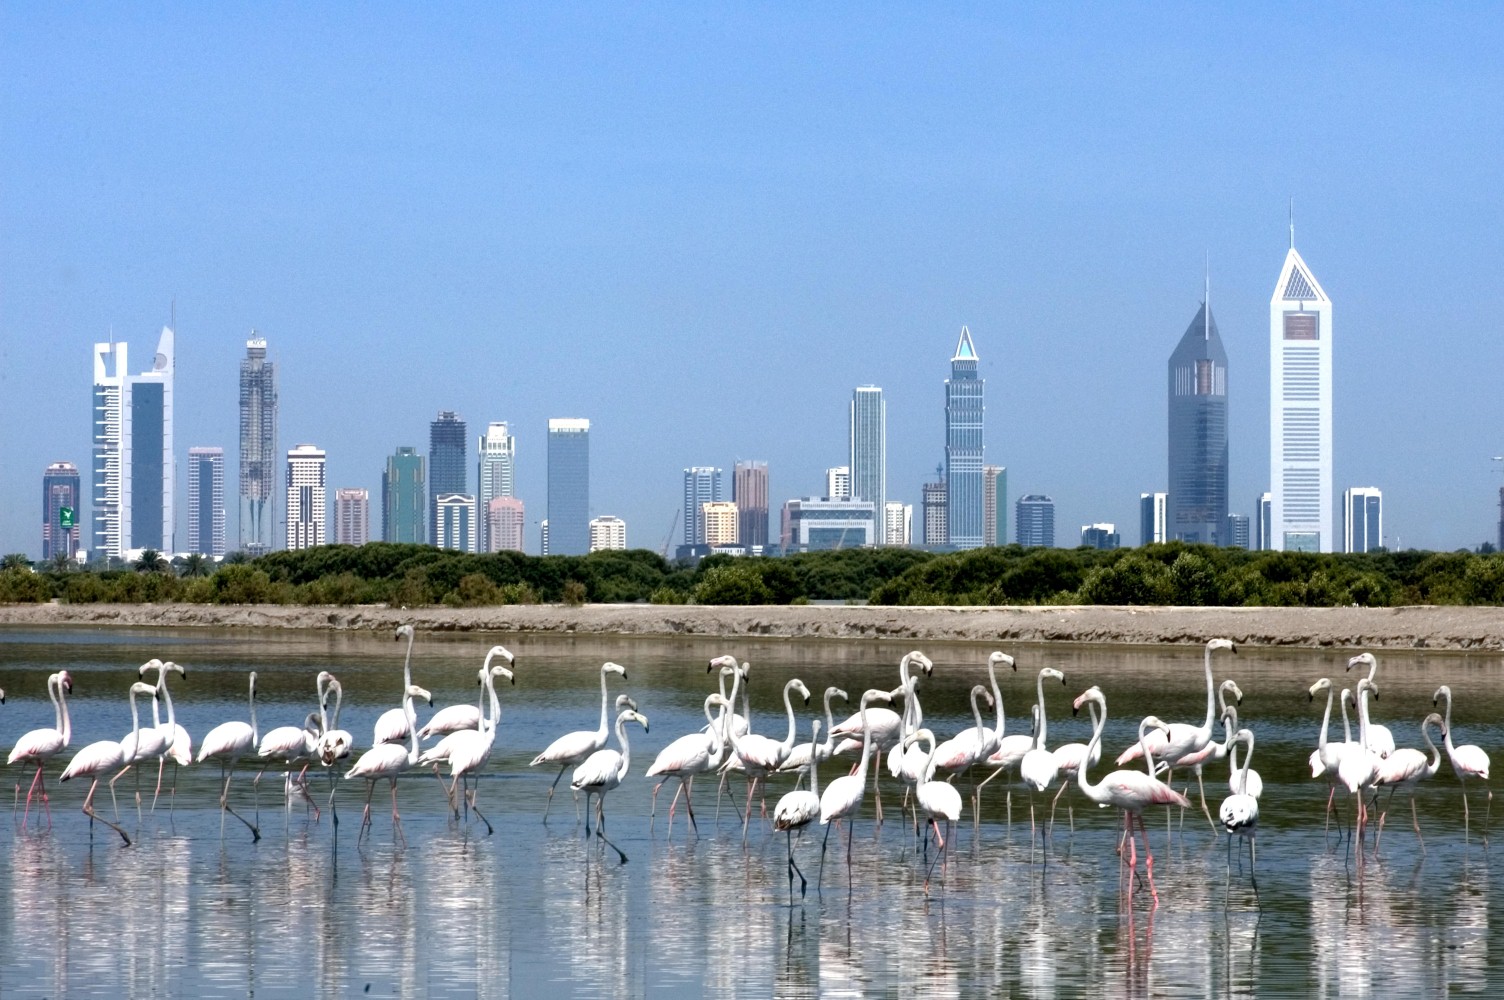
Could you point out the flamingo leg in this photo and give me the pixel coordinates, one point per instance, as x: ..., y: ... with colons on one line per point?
x: 1415, y: 819
x: 653, y: 811
x: 35, y: 779
x: 550, y: 800
x: 1149, y: 861
x: 224, y: 807
x: 600, y: 829
x: 476, y: 810
x: 819, y: 879
x: 793, y: 869
x: 689, y: 808
x: 89, y: 812
x: 396, y: 819
x: 1207, y: 812
x: 161, y: 768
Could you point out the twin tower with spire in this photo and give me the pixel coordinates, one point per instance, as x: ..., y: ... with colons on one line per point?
x: 1297, y: 514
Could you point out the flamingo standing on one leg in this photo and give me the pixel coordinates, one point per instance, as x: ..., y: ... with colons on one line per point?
x: 40, y: 745
x: 935, y: 800
x: 103, y: 757
x: 1468, y: 761
x: 229, y: 741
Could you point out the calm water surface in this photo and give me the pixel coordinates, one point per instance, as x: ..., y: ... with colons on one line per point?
x: 540, y: 911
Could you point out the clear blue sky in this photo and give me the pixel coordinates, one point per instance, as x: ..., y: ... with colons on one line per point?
x: 701, y: 227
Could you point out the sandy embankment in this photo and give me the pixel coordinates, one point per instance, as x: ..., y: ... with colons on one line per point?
x: 1459, y: 628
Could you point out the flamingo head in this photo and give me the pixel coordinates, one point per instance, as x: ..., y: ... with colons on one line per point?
x: 64, y: 678
x: 1362, y: 659
x: 924, y: 663
x: 634, y: 715
x: 835, y: 692
x: 724, y: 660
x: 1441, y: 692
x: 1322, y: 685
x: 1213, y: 644
x: 500, y: 671
x: 980, y: 691
x: 1092, y: 693
x: 1053, y: 674
x: 500, y: 651
x: 872, y: 694
x: 404, y: 632
x: 614, y: 668
x: 798, y: 685
x: 1000, y: 657
x: 625, y: 701
x: 151, y: 664
x: 1231, y: 687
x: 414, y: 691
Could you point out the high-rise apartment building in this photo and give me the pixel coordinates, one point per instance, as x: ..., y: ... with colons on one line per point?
x: 994, y: 505
x: 749, y: 491
x: 448, y: 469
x: 455, y: 521
x: 1153, y: 518
x: 258, y: 448
x: 134, y: 473
x: 702, y: 485
x: 1362, y: 519
x: 1035, y: 516
x: 964, y: 447
x: 62, y: 490
x: 1198, y: 432
x: 607, y: 532
x: 898, y: 523
x: 404, y: 497
x: 869, y: 449
x: 352, y: 516
x: 505, y: 519
x: 838, y: 483
x: 206, y: 501
x: 1300, y: 409
x: 720, y: 519
x: 933, y: 507
x: 307, y: 497
x: 1263, y: 533
x: 568, y: 531
x: 1236, y: 534
x: 1100, y: 536
x: 495, y: 476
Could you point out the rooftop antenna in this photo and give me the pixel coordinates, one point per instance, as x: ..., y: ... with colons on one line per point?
x: 1292, y: 223
x: 1206, y: 301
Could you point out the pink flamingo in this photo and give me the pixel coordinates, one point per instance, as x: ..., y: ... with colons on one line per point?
x: 843, y: 796
x: 40, y: 745
x: 572, y: 749
x: 603, y: 771
x: 1406, y: 768
x: 104, y: 757
x: 685, y: 758
x: 1468, y: 761
x: 229, y: 741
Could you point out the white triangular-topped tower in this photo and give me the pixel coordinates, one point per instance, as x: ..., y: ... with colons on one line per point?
x: 1300, y: 410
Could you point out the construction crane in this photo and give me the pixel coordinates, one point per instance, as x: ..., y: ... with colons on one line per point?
x: 668, y: 539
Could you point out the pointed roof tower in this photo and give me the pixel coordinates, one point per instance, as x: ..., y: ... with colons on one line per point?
x: 1296, y: 283
x: 965, y: 350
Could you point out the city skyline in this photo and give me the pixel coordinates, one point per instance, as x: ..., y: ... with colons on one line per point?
x: 1056, y: 188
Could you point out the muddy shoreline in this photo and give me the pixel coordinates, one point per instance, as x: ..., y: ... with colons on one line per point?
x: 1444, y: 628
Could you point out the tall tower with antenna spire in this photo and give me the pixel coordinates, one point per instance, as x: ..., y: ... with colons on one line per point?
x: 964, y: 447
x: 1300, y: 409
x: 1197, y: 505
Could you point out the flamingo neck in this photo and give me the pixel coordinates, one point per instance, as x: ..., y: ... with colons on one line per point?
x: 814, y: 759
x: 1347, y: 729
x: 1446, y: 732
x: 1040, y: 726
x: 1326, y: 719
x: 1082, y: 782
x: 997, y: 696
x: 788, y: 743
x: 626, y: 746
x: 600, y: 732
x: 66, y: 728
x: 1211, y: 694
x: 1247, y: 761
x: 255, y: 733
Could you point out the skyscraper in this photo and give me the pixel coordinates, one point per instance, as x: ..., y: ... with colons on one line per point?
x: 1035, y: 517
x: 869, y: 450
x: 1300, y: 409
x: 61, y: 488
x: 404, y: 497
x: 749, y: 491
x: 506, y: 517
x: 898, y: 523
x: 1153, y: 518
x: 1236, y: 535
x: 352, y: 516
x: 838, y: 482
x: 702, y: 485
x: 1198, y: 432
x: 307, y: 497
x: 568, y: 487
x: 720, y: 518
x: 1362, y: 519
x: 134, y: 474
x: 1100, y: 536
x: 1264, y: 523
x: 206, y: 501
x: 455, y: 521
x: 258, y: 447
x: 607, y: 532
x: 963, y: 447
x: 933, y: 508
x: 495, y: 476
x: 994, y: 505
x: 447, y: 468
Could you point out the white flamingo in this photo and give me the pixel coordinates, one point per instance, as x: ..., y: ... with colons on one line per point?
x: 229, y: 741
x: 457, y: 718
x: 1012, y: 749
x: 1405, y: 768
x: 391, y: 725
x: 799, y: 808
x: 971, y: 746
x: 1039, y: 768
x: 104, y: 757
x: 388, y: 760
x: 603, y: 771
x: 1239, y: 812
x: 799, y: 758
x: 1070, y: 758
x: 468, y: 750
x: 291, y: 746
x: 760, y: 755
x: 41, y: 745
x: 688, y: 757
x: 936, y: 800
x: 180, y: 744
x: 571, y: 749
x: 334, y: 743
x: 1380, y: 740
x: 1359, y: 766
x: 843, y: 796
x: 1468, y: 761
x: 1130, y: 791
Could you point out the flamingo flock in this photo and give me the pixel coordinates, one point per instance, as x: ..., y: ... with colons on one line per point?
x: 928, y: 768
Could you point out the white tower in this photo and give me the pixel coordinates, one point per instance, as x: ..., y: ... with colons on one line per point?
x: 307, y: 497
x: 1300, y: 410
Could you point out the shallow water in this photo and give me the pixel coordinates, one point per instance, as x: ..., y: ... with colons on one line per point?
x: 538, y: 910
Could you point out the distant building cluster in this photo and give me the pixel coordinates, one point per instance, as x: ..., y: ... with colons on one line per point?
x: 430, y: 498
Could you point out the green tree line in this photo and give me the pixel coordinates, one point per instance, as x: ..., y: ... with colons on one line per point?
x: 418, y: 575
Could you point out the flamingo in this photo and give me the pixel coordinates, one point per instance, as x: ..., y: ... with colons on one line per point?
x: 1213, y: 751
x: 799, y: 759
x: 387, y: 760
x: 1130, y: 791
x: 688, y: 756
x: 1070, y: 758
x: 1359, y: 766
x: 1239, y: 812
x: 101, y: 758
x: 1405, y: 768
x: 144, y: 743
x: 1468, y: 761
x: 602, y: 771
x: 457, y: 718
x: 391, y: 725
x: 729, y: 666
x: 1380, y: 741
x: 229, y: 741
x: 761, y: 755
x: 1038, y: 767
x: 1246, y: 780
x: 289, y: 746
x: 1325, y: 758
x: 886, y: 724
x: 937, y: 800
x: 40, y: 745
x: 180, y: 744
x: 572, y: 749
x: 468, y: 749
x: 843, y: 796
x: 333, y: 743
x: 797, y: 809
x: 1012, y: 749
x: 971, y: 746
